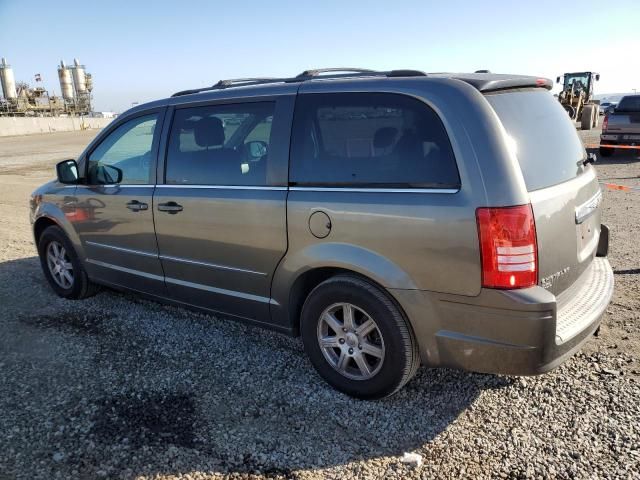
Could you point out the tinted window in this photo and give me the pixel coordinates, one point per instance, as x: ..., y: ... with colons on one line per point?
x: 127, y: 148
x: 629, y: 104
x: 545, y: 140
x: 370, y: 139
x: 220, y: 145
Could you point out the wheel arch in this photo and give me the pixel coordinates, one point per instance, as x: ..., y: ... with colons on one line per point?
x: 49, y: 215
x: 302, y: 287
x: 40, y: 225
x: 297, y: 277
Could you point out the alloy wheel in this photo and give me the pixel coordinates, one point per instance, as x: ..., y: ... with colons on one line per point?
x: 59, y: 265
x: 351, y: 341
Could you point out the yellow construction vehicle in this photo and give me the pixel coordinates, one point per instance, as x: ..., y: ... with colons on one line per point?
x: 577, y: 98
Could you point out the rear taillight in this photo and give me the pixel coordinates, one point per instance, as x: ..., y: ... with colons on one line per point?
x: 508, y: 247
x: 605, y: 122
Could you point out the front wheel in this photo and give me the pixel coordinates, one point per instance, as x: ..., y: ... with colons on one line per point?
x: 62, y: 267
x: 357, y: 338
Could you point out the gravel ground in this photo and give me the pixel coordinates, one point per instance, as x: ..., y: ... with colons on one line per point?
x: 118, y: 387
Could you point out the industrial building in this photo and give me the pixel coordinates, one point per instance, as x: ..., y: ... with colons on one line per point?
x: 19, y: 99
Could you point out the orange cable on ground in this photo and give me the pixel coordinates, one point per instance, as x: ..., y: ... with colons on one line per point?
x: 624, y: 188
x: 629, y: 147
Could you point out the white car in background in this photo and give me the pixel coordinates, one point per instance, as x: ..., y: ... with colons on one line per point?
x: 606, y: 106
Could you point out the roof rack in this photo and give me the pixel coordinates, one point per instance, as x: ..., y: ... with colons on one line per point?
x: 316, y: 72
x: 304, y: 76
x: 239, y: 81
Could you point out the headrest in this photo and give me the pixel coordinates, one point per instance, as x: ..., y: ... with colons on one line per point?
x: 208, y: 132
x: 384, y: 137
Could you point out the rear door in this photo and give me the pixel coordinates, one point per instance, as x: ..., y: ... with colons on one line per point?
x: 375, y: 182
x: 114, y: 219
x: 564, y: 192
x: 220, y: 214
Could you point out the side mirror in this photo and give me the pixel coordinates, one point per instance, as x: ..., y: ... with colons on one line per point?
x: 597, y: 77
x: 557, y: 79
x: 256, y: 149
x: 67, y: 172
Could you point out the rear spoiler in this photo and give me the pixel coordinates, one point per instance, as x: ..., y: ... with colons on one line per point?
x: 489, y: 82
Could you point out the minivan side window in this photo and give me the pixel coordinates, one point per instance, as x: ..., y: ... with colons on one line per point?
x: 220, y: 145
x: 370, y: 140
x: 128, y: 149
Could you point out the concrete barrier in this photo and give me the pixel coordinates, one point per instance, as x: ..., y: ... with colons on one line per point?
x: 29, y: 125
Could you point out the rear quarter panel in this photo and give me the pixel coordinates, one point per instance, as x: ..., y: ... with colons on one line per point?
x: 401, y: 240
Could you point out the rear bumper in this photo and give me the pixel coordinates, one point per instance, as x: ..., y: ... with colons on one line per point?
x: 620, y: 138
x: 517, y: 332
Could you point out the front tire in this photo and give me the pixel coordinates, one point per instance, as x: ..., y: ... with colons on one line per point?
x: 357, y: 338
x: 62, y: 267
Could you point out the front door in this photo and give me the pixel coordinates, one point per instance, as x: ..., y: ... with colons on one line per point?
x: 220, y: 215
x: 113, y: 214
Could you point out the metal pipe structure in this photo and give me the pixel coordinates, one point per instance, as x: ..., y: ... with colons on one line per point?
x: 8, y: 81
x: 75, y: 86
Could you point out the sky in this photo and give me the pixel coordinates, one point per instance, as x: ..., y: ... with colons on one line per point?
x: 143, y: 50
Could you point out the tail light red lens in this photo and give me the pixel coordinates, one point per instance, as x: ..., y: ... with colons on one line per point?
x: 605, y: 122
x: 508, y: 247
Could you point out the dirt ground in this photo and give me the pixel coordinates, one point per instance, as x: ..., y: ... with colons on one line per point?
x: 79, y: 382
x: 622, y: 215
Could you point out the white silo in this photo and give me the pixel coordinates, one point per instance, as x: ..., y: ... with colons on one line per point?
x: 66, y: 83
x: 8, y: 81
x: 79, y: 77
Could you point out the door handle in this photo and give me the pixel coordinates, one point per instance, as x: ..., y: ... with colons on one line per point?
x: 170, y: 207
x: 137, y: 206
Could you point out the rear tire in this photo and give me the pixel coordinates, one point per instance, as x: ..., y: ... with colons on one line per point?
x: 374, y: 332
x: 606, y: 151
x: 587, y: 117
x: 62, y: 267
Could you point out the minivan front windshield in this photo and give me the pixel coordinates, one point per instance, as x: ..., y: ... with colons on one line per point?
x: 545, y: 140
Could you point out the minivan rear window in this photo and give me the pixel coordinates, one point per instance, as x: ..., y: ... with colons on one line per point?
x: 379, y: 140
x: 544, y: 138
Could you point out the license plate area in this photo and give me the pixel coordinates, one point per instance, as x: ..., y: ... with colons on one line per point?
x: 587, y: 237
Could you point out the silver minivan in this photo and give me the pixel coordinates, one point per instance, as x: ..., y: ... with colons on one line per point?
x: 391, y: 219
